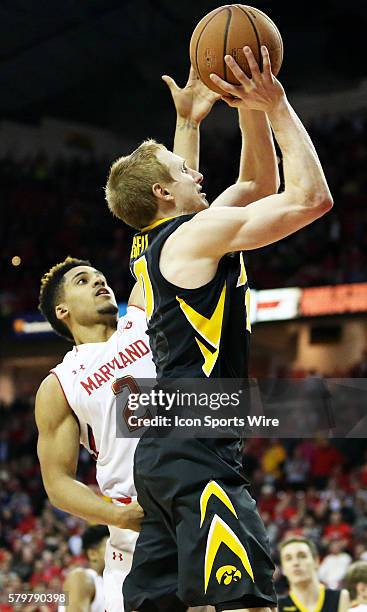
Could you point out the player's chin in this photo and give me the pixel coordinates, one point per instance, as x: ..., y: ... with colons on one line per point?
x: 108, y: 309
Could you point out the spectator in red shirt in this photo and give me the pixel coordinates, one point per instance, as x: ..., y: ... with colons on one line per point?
x: 325, y: 458
x: 337, y: 529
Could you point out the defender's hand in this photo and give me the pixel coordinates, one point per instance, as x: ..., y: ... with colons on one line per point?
x: 194, y: 101
x: 130, y: 516
x: 260, y: 92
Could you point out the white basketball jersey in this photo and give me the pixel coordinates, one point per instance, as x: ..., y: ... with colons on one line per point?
x: 91, y: 375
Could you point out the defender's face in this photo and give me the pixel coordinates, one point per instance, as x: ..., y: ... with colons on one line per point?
x: 96, y: 555
x: 87, y: 296
x: 298, y: 564
x: 186, y: 186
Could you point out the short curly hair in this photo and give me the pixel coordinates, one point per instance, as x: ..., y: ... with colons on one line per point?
x: 51, y: 293
x: 93, y: 536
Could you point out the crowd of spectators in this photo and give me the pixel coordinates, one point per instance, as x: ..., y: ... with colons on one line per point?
x: 52, y: 209
x: 316, y: 488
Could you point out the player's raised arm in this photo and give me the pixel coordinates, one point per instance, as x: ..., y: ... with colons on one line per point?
x: 58, y: 452
x: 306, y: 197
x: 193, y: 103
x: 258, y: 173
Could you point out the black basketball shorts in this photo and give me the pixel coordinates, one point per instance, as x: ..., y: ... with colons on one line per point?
x: 202, y: 540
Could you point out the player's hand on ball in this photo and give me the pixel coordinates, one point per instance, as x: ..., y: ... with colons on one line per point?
x: 260, y: 92
x: 194, y: 101
x: 131, y: 516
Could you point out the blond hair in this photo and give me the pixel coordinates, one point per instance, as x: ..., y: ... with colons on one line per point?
x: 300, y: 540
x: 129, y: 186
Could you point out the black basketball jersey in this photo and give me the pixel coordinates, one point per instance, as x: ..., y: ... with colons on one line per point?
x: 201, y: 332
x: 328, y: 602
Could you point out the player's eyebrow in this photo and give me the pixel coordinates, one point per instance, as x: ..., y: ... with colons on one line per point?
x: 85, y: 272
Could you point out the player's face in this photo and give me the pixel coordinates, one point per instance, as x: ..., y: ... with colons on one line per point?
x: 96, y: 555
x: 298, y: 564
x: 186, y: 187
x: 87, y: 296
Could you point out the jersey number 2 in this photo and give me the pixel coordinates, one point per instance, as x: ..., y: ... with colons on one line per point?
x: 129, y: 383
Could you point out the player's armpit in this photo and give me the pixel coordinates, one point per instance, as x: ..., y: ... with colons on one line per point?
x: 80, y: 589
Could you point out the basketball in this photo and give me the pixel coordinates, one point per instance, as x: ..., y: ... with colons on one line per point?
x: 225, y: 31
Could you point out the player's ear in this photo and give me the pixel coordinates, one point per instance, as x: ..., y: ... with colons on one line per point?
x: 61, y: 311
x: 162, y: 193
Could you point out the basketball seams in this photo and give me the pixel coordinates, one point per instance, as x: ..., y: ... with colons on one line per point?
x: 274, y: 26
x: 198, y: 41
x: 226, y: 32
x: 256, y: 34
x: 226, y: 27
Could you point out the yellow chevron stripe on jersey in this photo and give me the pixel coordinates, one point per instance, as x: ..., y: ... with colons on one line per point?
x: 319, y: 604
x: 213, y: 488
x: 210, y: 329
x: 242, y: 279
x: 221, y: 533
x: 209, y: 357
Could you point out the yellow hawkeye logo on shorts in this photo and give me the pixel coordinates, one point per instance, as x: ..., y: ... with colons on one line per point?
x: 227, y: 573
x: 221, y: 533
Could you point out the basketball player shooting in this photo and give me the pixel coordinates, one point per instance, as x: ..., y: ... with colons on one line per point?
x: 201, y: 534
x: 76, y: 402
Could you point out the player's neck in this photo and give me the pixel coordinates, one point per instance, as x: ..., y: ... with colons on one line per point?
x: 307, y: 592
x: 100, y: 332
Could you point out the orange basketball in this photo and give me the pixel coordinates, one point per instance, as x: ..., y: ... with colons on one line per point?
x: 226, y: 30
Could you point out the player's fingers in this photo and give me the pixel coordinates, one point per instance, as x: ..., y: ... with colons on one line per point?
x: 236, y: 70
x: 227, y: 87
x: 170, y: 82
x: 267, y: 73
x: 254, y: 67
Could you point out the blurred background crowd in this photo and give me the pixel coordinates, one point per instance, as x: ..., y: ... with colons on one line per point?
x: 315, y: 488
x: 52, y: 205
x: 70, y: 216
